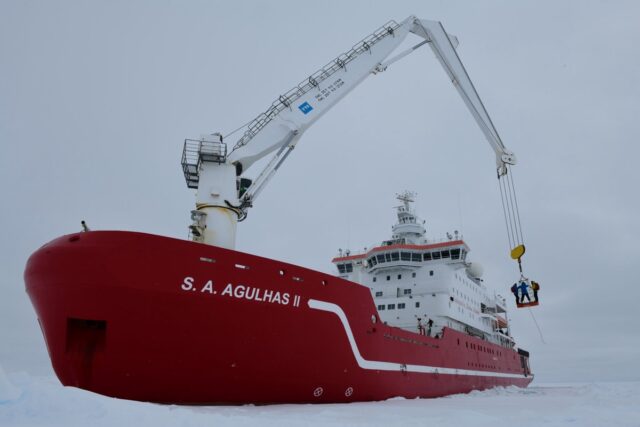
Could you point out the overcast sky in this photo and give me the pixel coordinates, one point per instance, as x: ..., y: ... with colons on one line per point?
x: 96, y: 99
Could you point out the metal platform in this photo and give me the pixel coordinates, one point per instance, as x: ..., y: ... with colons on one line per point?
x: 196, y: 151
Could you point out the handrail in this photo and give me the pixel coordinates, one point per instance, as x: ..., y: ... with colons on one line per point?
x: 289, y: 97
x: 194, y: 152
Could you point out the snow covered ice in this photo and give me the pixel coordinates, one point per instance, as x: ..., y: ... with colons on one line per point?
x: 8, y: 391
x: 38, y: 401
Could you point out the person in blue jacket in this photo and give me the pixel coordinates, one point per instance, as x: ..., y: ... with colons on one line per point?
x: 524, y: 291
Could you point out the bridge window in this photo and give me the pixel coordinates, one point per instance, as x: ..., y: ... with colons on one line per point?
x: 445, y: 254
x: 435, y: 255
x: 395, y: 256
x: 345, y: 268
x: 416, y: 257
x: 380, y: 258
x: 455, y: 253
x: 427, y: 256
x: 387, y: 257
x: 405, y: 256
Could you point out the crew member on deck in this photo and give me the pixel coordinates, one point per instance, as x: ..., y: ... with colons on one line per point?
x: 420, y: 327
x: 429, y: 326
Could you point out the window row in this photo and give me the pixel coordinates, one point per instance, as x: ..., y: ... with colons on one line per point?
x: 345, y: 268
x: 401, y: 306
x: 400, y: 292
x: 415, y: 256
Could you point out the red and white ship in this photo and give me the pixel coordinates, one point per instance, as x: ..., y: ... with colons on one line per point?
x: 152, y: 318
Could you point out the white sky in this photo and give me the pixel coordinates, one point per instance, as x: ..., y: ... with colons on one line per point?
x: 97, y: 97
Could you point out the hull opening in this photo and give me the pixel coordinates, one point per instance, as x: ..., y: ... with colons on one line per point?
x: 85, y: 338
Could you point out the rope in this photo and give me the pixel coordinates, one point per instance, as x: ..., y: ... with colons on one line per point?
x: 510, y: 209
x: 236, y: 130
x: 511, y: 212
x: 504, y: 211
x: 515, y: 201
x: 537, y: 326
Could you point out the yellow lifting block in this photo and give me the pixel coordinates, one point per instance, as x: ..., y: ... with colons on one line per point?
x: 517, y: 252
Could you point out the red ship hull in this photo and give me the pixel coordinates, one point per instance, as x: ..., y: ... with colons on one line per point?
x: 150, y: 318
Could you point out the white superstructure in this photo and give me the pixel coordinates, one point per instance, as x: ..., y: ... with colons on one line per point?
x: 414, y: 279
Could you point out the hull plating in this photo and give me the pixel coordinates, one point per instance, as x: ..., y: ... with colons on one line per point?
x: 150, y: 318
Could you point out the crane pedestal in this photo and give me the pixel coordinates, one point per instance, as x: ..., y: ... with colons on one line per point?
x: 205, y: 168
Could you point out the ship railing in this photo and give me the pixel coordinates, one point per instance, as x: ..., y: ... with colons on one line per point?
x: 196, y: 151
x: 394, y: 264
x: 403, y: 242
x: 445, y: 239
x: 500, y: 303
x: 505, y: 336
x: 312, y: 82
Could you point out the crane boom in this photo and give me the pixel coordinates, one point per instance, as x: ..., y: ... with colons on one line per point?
x: 224, y: 196
x: 444, y: 50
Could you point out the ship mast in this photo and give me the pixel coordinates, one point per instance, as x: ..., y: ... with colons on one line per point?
x: 409, y: 229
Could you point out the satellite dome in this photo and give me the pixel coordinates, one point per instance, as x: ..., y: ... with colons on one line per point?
x: 475, y: 270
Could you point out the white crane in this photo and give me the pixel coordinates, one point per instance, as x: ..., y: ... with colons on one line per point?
x: 224, y: 195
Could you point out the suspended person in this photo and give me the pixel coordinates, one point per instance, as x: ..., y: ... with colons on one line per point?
x: 524, y: 291
x: 514, y: 290
x: 536, y: 287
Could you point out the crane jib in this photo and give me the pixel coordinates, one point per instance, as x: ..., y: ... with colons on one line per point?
x: 276, y: 131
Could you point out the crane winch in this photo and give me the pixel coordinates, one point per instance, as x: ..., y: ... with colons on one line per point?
x: 224, y: 194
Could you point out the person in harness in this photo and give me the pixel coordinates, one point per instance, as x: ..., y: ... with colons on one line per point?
x: 536, y: 287
x: 524, y: 291
x: 514, y: 290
